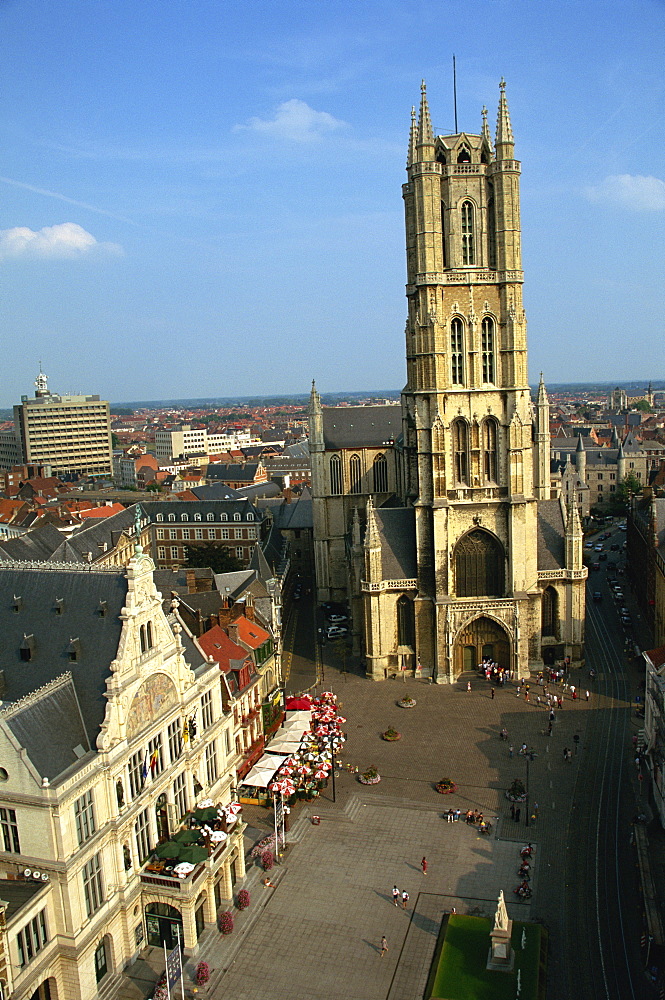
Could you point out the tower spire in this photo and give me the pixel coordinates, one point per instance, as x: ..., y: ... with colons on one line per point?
x: 504, y: 133
x: 486, y: 129
x: 425, y: 134
x: 413, y: 138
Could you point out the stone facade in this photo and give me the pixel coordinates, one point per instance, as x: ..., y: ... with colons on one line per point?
x: 464, y: 553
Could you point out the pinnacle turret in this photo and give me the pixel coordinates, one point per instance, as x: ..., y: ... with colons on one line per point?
x: 504, y: 133
x: 486, y: 129
x: 542, y: 392
x: 413, y: 139
x: 372, y: 538
x: 425, y: 133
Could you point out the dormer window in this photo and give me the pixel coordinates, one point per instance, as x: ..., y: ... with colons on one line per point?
x: 197, y: 517
x: 211, y: 517
x: 250, y: 517
x: 74, y: 650
x: 160, y: 517
x: 59, y: 605
x: 184, y: 517
x: 171, y: 517
x: 17, y: 604
x: 237, y: 517
x: 224, y: 517
x: 103, y: 608
x: 27, y: 648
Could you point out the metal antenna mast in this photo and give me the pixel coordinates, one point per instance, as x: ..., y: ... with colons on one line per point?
x: 455, y: 91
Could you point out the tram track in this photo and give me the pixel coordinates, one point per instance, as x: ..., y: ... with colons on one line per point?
x: 600, y: 897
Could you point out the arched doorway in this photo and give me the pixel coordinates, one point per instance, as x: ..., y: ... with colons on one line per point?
x: 46, y: 991
x: 163, y: 923
x: 479, y: 638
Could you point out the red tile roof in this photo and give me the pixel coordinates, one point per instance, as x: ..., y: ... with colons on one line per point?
x: 216, y: 643
x: 251, y: 633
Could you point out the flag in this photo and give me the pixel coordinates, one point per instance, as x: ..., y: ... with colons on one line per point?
x: 185, y: 732
x: 144, y: 769
x: 174, y: 966
x: 154, y: 757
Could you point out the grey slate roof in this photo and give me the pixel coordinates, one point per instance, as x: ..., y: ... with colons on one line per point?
x: 49, y: 726
x: 551, y: 536
x: 37, y: 545
x: 81, y: 591
x: 361, y: 426
x: 244, y: 472
x: 215, y: 491
x: 397, y: 530
x: 18, y: 894
x: 234, y: 584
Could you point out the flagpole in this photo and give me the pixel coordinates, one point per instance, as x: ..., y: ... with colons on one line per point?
x: 182, y: 971
x: 166, y: 966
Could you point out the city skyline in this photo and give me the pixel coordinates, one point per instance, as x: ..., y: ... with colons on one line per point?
x: 198, y: 201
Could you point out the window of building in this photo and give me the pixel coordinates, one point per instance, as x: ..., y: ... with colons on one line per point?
x: 457, y: 352
x: 224, y: 517
x: 206, y: 710
x: 145, y: 637
x: 487, y: 337
x: 197, y: 517
x: 406, y: 631
x: 184, y: 517
x: 443, y: 232
x: 174, y: 552
x: 226, y: 533
x: 355, y: 474
x: 174, y: 735
x: 612, y: 489
x: 479, y: 565
x: 460, y: 451
x: 160, y: 532
x: 9, y: 830
x: 156, y: 755
x: 142, y: 835
x: 198, y: 533
x: 250, y: 516
x: 600, y: 487
x: 491, y: 232
x: 490, y: 450
x: 161, y: 552
x: 239, y: 552
x: 210, y: 517
x: 185, y: 534
x: 32, y: 938
x: 211, y: 763
x: 380, y: 470
x: 171, y: 517
x: 335, y: 475
x: 612, y: 475
x: 180, y: 795
x: 101, y: 961
x: 549, y: 612
x: 468, y: 245
x: 237, y: 516
x: 84, y: 817
x: 93, y: 889
x: 600, y: 475
x: 227, y: 742
x: 173, y: 533
x: 160, y: 517
x: 135, y: 771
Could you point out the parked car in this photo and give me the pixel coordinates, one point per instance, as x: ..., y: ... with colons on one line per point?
x: 598, y: 548
x: 588, y: 545
x: 336, y: 632
x: 597, y: 596
x: 336, y: 619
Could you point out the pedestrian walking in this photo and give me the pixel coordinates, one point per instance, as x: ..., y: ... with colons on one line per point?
x: 510, y: 751
x: 526, y: 698
x: 549, y: 729
x: 588, y: 695
x: 518, y: 813
x: 405, y: 899
x: 512, y: 810
x: 395, y: 895
x: 492, y: 693
x: 384, y: 946
x: 468, y: 685
x: 423, y: 865
x: 565, y: 753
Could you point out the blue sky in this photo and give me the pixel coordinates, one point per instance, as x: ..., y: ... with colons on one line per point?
x: 203, y: 198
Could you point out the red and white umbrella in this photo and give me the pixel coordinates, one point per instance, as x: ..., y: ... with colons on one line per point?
x: 320, y: 774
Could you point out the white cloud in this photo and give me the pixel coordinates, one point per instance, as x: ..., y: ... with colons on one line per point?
x: 65, y: 240
x: 294, y: 121
x: 642, y: 194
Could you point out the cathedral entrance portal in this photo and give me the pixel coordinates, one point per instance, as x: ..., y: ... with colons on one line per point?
x: 483, y: 637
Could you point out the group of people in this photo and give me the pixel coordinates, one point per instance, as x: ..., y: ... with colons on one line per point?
x: 404, y: 896
x: 493, y: 672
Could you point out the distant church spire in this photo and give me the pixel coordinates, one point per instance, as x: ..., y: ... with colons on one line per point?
x: 425, y: 133
x: 505, y: 144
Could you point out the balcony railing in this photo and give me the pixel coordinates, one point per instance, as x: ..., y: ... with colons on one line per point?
x: 172, y: 882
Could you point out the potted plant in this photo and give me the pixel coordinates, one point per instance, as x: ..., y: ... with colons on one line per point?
x: 517, y: 791
x: 225, y: 921
x: 243, y: 899
x: 446, y: 786
x: 161, y: 991
x: 370, y: 777
x: 407, y: 702
x: 267, y: 860
x: 391, y: 735
x: 202, y: 973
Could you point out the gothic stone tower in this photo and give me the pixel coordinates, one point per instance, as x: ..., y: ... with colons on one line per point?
x: 467, y: 413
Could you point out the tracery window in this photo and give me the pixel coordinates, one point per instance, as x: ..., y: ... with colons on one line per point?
x: 380, y: 471
x: 490, y: 450
x: 355, y: 474
x: 335, y: 475
x: 491, y: 233
x: 457, y: 352
x: 549, y: 612
x: 468, y: 242
x: 487, y: 353
x: 443, y: 234
x: 479, y: 565
x: 406, y: 630
x: 461, y: 451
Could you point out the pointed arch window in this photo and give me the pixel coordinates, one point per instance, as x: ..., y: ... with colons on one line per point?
x: 355, y: 474
x: 380, y: 471
x: 490, y: 450
x: 549, y: 612
x: 457, y: 352
x: 335, y: 476
x: 479, y: 565
x: 406, y: 622
x: 461, y: 451
x: 491, y: 231
x: 468, y: 242
x: 443, y: 234
x: 488, y: 356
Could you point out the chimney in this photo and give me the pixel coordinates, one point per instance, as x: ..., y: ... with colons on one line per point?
x: 232, y: 630
x: 190, y: 576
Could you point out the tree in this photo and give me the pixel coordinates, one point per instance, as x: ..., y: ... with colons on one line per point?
x: 215, y: 557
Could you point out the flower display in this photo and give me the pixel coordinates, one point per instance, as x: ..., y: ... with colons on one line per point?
x: 391, y: 735
x: 446, y: 786
x: 202, y: 973
x: 225, y: 921
x: 407, y: 702
x: 517, y: 791
x: 243, y: 899
x: 267, y: 860
x: 370, y: 777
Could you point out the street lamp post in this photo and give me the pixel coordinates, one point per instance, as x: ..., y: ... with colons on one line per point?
x: 528, y: 759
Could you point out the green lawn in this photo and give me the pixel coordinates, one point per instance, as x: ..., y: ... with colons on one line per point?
x: 461, y: 973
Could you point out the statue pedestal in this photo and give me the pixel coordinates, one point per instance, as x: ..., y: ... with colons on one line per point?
x: 501, y: 955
